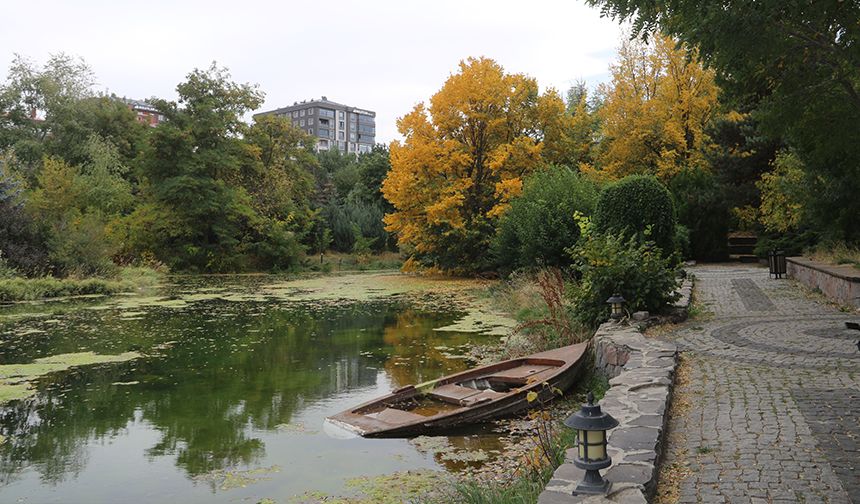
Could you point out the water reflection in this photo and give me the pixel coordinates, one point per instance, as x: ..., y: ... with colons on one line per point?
x: 219, y: 379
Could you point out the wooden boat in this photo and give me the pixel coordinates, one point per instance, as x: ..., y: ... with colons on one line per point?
x: 467, y: 397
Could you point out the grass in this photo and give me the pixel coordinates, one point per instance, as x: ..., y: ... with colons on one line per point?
x: 522, y: 490
x: 31, y: 289
x: 836, y: 253
x: 542, y: 310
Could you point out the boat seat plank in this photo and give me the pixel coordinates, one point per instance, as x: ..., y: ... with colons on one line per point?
x: 395, y: 416
x: 541, y: 376
x: 520, y: 372
x: 484, y: 396
x: 453, y: 393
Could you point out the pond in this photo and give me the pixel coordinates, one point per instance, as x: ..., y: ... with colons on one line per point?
x: 227, y: 399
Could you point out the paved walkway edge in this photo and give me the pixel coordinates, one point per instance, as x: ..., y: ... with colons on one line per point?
x: 840, y: 283
x: 641, y: 372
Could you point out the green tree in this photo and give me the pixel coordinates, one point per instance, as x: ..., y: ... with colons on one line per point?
x: 702, y: 205
x: 373, y: 167
x: 200, y: 217
x: 22, y: 246
x: 541, y: 224
x: 74, y: 206
x: 34, y: 100
x: 281, y: 185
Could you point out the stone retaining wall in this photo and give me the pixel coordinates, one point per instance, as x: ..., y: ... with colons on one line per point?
x: 642, y: 373
x: 840, y: 283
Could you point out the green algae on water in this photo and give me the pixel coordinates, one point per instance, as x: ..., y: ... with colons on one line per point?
x: 395, y: 488
x: 16, y: 379
x: 228, y: 479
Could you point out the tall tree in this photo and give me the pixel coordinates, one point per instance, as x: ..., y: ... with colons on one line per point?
x: 199, y: 215
x: 797, y: 63
x: 655, y: 111
x: 34, y: 99
x: 463, y: 158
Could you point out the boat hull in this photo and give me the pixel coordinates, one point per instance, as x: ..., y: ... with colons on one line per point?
x: 544, y: 373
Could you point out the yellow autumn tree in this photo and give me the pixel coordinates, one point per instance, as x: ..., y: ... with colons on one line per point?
x: 463, y: 158
x: 655, y: 111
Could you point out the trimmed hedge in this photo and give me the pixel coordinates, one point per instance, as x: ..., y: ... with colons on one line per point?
x: 540, y: 224
x: 638, y: 206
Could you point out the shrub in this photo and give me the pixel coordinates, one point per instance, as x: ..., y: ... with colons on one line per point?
x: 81, y: 246
x: 791, y: 242
x: 638, y: 206
x: 682, y: 241
x: 540, y: 223
x: 342, y: 219
x: 28, y: 289
x: 22, y: 246
x: 609, y: 264
x: 701, y: 202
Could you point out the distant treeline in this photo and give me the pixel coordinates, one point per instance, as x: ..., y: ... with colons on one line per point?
x: 85, y: 187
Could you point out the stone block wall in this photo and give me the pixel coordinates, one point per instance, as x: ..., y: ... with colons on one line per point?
x: 840, y: 283
x: 641, y: 372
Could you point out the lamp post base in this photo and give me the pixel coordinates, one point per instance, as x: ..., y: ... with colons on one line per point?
x: 592, y: 484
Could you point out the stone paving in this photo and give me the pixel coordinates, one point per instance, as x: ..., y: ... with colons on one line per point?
x: 774, y: 392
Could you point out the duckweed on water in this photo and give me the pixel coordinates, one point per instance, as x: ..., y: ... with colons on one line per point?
x: 228, y: 479
x: 16, y: 379
x: 395, y: 488
x: 441, y: 447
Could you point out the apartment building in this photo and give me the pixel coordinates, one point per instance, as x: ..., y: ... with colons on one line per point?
x: 146, y: 113
x: 336, y: 126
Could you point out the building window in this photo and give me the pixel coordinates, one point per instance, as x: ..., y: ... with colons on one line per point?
x: 302, y: 112
x: 341, y: 125
x: 324, y: 122
x: 323, y: 133
x: 302, y: 122
x: 311, y: 111
x: 340, y: 114
x: 323, y: 144
x: 363, y: 148
x: 341, y: 136
x: 326, y: 113
x: 352, y: 116
x: 295, y: 113
x: 352, y: 136
x: 310, y: 131
x: 310, y: 121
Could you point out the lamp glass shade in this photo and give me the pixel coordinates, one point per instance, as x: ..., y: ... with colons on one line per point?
x: 592, y: 445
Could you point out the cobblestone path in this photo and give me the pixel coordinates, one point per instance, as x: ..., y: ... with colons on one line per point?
x: 773, y: 394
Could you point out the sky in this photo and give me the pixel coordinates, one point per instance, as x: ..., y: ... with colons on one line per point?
x: 384, y: 56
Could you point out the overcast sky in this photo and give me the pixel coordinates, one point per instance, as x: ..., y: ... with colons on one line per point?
x: 384, y: 56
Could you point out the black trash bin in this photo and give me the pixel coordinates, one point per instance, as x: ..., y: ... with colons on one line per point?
x: 776, y: 263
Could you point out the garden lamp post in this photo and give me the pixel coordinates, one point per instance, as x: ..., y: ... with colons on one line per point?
x: 616, y: 302
x: 591, y: 425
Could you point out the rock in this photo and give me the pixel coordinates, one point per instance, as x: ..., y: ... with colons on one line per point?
x: 640, y: 315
